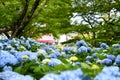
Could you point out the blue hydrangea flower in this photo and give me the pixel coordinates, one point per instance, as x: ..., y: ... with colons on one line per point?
x: 66, y: 75
x: 48, y: 50
x: 12, y: 51
x: 50, y: 77
x: 22, y: 38
x: 7, y: 58
x: 110, y: 56
x: 109, y: 73
x: 68, y: 49
x: 7, y: 68
x: 88, y: 58
x: 104, y: 46
x: 89, y: 49
x: 51, y: 46
x: 97, y: 49
x: 9, y: 75
x: 94, y: 55
x: 31, y: 55
x: 76, y: 63
x: 71, y: 75
x: 106, y: 62
x: 88, y: 62
x: 1, y: 45
x: 57, y: 53
x: 81, y: 43
x: 82, y: 49
x: 54, y: 62
x: 53, y: 55
x: 116, y: 46
x: 117, y: 60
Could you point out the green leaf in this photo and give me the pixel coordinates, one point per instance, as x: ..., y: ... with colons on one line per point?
x: 19, y: 69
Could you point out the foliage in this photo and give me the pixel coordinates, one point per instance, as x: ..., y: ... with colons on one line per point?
x: 101, y: 16
x: 16, y: 15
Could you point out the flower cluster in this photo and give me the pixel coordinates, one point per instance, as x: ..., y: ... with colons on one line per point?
x: 27, y: 51
x: 7, y: 58
x: 9, y: 75
x: 109, y: 73
x: 67, y: 75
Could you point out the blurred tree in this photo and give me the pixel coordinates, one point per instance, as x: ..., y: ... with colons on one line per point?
x: 55, y: 18
x: 17, y: 14
x: 102, y: 17
x: 33, y: 17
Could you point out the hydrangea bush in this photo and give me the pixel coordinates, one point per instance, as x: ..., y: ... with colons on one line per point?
x: 26, y: 59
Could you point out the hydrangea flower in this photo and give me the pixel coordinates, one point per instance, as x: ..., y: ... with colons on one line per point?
x: 71, y: 75
x: 110, y: 56
x: 76, y: 63
x: 50, y: 77
x: 53, y: 55
x: 25, y: 56
x: 94, y: 55
x: 97, y: 49
x: 41, y: 52
x: 53, y: 62
x: 89, y: 49
x: 107, y: 62
x: 66, y: 75
x: 116, y: 45
x: 7, y: 68
x: 98, y: 61
x: 51, y: 46
x: 73, y: 58
x: 88, y: 58
x: 9, y: 75
x: 57, y: 53
x: 82, y: 49
x: 117, y: 60
x: 104, y: 46
x: 7, y: 58
x: 81, y: 43
x: 88, y: 62
x: 68, y: 49
x: 46, y: 61
x: 109, y: 73
x: 31, y: 55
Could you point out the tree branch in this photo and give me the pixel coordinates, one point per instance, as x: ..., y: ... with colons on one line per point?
x: 34, y: 7
x: 5, y: 30
x: 41, y: 8
x: 27, y: 20
x: 16, y: 26
x: 21, y: 17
